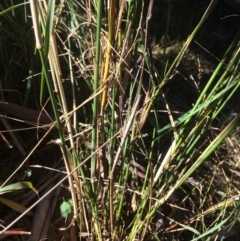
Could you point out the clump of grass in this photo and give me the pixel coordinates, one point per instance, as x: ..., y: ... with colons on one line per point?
x: 138, y: 165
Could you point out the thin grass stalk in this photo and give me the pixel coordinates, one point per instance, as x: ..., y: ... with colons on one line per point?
x: 122, y: 182
x: 42, y: 18
x: 95, y: 88
x: 195, y: 137
x: 118, y: 33
x: 235, y: 68
x: 211, y: 230
x: 143, y: 49
x: 93, y: 198
x: 148, y: 170
x: 105, y: 165
x: 25, y: 12
x: 73, y: 88
x: 54, y: 61
x: 113, y: 127
x: 111, y: 18
x: 126, y: 63
x: 223, y: 104
x: 83, y: 212
x: 188, y: 149
x: 4, y: 11
x: 150, y: 201
x: 36, y: 25
x: 50, y: 7
x: 114, y: 124
x: 120, y: 197
x: 41, y: 10
x: 104, y: 86
x: 214, y: 75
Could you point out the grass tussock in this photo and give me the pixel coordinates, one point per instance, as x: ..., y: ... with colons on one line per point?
x: 115, y: 125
